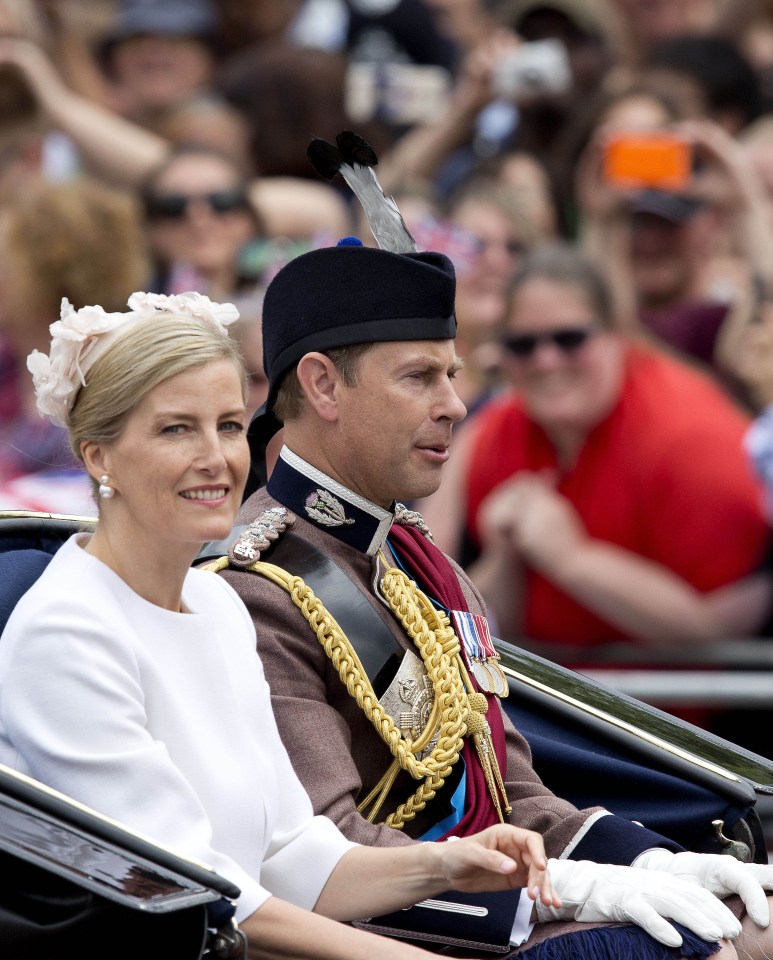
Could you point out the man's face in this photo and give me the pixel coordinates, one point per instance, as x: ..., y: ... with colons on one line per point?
x: 663, y: 268
x: 393, y: 429
x: 157, y: 72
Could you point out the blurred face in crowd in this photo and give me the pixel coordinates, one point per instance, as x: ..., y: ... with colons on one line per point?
x: 199, y: 215
x: 636, y: 112
x: 156, y: 72
x: 481, y: 284
x: 565, y: 364
x: 662, y: 262
x: 530, y: 181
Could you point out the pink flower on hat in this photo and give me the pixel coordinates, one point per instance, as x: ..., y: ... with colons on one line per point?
x: 80, y: 337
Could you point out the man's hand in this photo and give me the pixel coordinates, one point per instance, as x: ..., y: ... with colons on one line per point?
x: 595, y: 891
x: 722, y: 875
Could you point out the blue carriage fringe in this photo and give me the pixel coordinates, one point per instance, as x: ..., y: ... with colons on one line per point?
x: 617, y: 943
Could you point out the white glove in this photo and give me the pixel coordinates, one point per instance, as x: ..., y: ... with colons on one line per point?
x: 719, y: 873
x: 601, y: 891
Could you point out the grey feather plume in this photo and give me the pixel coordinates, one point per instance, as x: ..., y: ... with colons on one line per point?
x: 354, y: 159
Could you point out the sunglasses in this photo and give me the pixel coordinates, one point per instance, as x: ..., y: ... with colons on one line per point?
x: 567, y: 340
x: 174, y: 206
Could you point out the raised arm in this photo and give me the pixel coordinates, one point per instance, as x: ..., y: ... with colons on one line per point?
x: 116, y: 148
x: 419, y: 153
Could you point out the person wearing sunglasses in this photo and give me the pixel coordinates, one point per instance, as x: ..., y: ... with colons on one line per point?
x: 201, y: 227
x: 199, y: 219
x: 607, y: 494
x: 499, y: 230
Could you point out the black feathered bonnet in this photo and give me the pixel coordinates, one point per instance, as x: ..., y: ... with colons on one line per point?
x: 340, y: 296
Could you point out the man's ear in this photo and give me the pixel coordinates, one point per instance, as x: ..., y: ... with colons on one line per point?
x: 320, y: 380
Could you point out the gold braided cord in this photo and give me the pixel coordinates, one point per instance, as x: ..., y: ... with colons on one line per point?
x: 375, y: 799
x: 452, y: 711
x: 419, y: 616
x: 450, y: 696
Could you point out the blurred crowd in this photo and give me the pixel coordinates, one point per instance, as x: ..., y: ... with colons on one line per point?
x: 599, y: 171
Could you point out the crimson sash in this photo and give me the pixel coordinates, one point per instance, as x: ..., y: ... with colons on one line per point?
x: 433, y: 573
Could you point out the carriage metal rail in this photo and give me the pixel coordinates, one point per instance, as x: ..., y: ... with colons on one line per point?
x: 737, y: 673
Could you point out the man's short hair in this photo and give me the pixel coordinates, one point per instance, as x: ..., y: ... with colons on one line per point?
x: 290, y: 397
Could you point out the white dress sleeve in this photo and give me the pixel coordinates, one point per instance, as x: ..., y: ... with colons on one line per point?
x: 147, y: 717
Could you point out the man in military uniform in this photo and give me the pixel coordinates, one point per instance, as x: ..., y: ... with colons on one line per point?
x: 385, y: 694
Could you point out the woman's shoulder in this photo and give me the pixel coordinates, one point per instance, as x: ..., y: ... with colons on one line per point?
x: 65, y: 584
x: 67, y: 615
x: 207, y: 593
x: 680, y: 397
x: 64, y: 568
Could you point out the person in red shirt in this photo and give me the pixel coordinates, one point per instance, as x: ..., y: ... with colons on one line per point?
x: 608, y: 492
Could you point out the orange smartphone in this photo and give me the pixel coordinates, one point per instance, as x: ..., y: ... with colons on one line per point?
x: 661, y: 161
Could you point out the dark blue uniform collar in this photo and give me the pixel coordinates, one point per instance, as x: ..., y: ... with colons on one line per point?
x: 327, y: 504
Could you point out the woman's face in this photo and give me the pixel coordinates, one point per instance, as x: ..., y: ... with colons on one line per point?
x: 180, y: 465
x: 201, y: 218
x: 481, y: 286
x: 567, y: 367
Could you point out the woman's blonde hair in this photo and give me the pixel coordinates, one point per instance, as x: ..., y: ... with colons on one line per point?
x: 144, y: 356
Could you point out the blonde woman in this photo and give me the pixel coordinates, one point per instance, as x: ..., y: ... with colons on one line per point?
x: 129, y: 680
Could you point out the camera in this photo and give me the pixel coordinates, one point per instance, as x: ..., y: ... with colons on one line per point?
x: 656, y: 161
x: 533, y: 70
x: 398, y: 93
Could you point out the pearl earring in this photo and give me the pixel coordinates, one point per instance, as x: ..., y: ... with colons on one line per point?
x: 105, y: 490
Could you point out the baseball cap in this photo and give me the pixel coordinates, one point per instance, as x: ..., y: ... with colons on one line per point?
x: 673, y: 207
x: 169, y: 18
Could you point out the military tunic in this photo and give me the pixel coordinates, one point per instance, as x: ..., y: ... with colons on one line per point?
x: 336, y: 751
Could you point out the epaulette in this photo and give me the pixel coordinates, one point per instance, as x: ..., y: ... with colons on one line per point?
x: 412, y: 518
x: 259, y: 535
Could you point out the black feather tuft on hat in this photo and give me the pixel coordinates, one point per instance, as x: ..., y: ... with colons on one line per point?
x: 349, y: 294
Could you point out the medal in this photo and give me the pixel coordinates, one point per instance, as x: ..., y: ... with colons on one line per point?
x: 501, y: 686
x: 499, y: 681
x: 480, y: 672
x: 482, y: 659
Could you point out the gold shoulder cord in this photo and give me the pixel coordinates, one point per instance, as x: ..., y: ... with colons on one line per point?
x: 457, y: 711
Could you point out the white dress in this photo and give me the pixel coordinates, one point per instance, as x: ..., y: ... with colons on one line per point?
x: 162, y: 721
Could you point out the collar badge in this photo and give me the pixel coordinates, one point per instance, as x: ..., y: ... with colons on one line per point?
x: 326, y: 509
